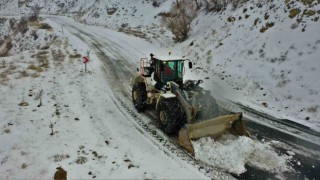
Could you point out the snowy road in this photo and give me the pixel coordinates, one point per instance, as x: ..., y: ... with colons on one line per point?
x: 119, y: 55
x: 84, y: 124
x: 115, y: 71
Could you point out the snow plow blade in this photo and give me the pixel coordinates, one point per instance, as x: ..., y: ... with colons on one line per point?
x: 213, y: 128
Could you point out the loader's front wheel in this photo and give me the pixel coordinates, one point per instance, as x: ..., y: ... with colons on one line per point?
x: 170, y: 116
x: 139, y: 96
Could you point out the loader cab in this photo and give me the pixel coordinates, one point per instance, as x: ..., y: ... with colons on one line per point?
x: 169, y: 70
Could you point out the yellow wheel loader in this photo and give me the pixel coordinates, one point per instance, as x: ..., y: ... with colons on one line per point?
x: 182, y: 107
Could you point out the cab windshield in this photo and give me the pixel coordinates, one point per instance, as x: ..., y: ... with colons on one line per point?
x: 171, y: 70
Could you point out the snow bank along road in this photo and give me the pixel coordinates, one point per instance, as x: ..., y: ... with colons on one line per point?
x: 119, y: 55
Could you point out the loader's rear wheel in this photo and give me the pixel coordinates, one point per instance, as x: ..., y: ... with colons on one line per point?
x: 139, y: 96
x: 170, y: 116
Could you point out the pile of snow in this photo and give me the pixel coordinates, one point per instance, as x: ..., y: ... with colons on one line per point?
x: 232, y: 153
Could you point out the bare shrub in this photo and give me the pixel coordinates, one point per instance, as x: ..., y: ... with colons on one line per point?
x: 294, y: 12
x: 165, y: 14
x: 237, y: 3
x: 221, y: 5
x: 312, y: 109
x: 3, y: 78
x: 58, y: 55
x: 45, y: 47
x: 7, y: 130
x: 35, y: 75
x: 180, y: 19
x: 24, y: 166
x: 22, y: 26
x: 45, y: 26
x: 35, y: 68
x: 5, y: 51
x: 215, y: 5
x: 112, y: 10
x: 155, y: 3
x: 3, y: 75
x: 12, y: 22
x: 2, y: 20
x: 24, y: 74
x: 81, y: 160
x: 60, y: 157
x: 75, y: 55
x: 34, y: 34
x: 9, y: 45
x: 43, y: 61
x: 35, y: 10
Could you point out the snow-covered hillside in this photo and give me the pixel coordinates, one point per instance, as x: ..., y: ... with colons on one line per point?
x: 261, y: 54
x: 273, y: 70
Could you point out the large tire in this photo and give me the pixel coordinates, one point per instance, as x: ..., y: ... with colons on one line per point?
x: 139, y: 96
x: 170, y: 115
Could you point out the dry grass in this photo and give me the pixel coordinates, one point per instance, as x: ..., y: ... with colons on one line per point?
x: 39, y: 25
x: 65, y: 44
x: 5, y: 51
x: 22, y: 25
x: 58, y: 55
x: 45, y: 26
x: 312, y: 109
x: 136, y: 33
x: 42, y: 57
x: 265, y: 28
x: 35, y: 75
x: 1, y: 42
x: 309, y: 12
x: 45, y: 47
x: 75, y: 55
x: 307, y: 2
x: 24, y: 166
x: 7, y: 131
x: 3, y: 77
x: 35, y: 68
x: 23, y: 74
x: 12, y: 67
x: 34, y: 24
x: 42, y: 52
x: 294, y: 12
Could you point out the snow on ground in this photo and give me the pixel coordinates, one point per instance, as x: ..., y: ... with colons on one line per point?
x: 269, y: 71
x: 246, y: 61
x: 68, y: 129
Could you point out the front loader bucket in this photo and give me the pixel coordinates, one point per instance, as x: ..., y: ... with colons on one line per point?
x: 213, y: 127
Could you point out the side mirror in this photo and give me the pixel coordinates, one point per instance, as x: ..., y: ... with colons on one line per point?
x: 190, y: 65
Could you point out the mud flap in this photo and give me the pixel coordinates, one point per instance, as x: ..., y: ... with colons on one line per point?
x: 213, y: 127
